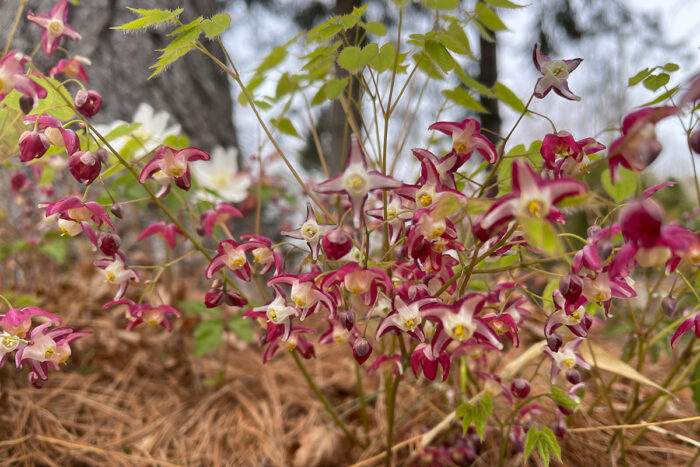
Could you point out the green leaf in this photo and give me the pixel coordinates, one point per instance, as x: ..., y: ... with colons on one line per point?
x: 543, y: 451
x: 636, y: 79
x: 452, y: 43
x: 272, y: 59
x: 671, y: 67
x: 548, y: 438
x: 176, y: 49
x: 480, y: 419
x: 208, y: 336
x: 242, y: 327
x: 561, y: 398
x: 530, y: 441
x: 461, y: 96
x: 489, y: 18
x: 57, y: 250
x: 186, y: 27
x: 576, y: 200
x: 471, y: 83
x: 503, y: 4
x: 150, y: 18
x: 508, y: 97
x: 375, y: 27
x: 661, y: 97
x: 285, y: 126
x: 441, y: 4
x: 195, y: 307
x: 285, y: 85
x: 540, y: 234
x: 549, y: 289
x: 354, y: 58
x: 385, y: 58
x: 122, y: 130
x: 456, y: 31
x: 440, y: 55
x: 695, y: 388
x: 487, y: 403
x: 624, y: 186
x: 216, y: 25
x: 348, y: 21
x: 654, y: 82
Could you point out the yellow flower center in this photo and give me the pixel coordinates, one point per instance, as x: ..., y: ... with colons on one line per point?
x: 437, y: 232
x: 390, y: 213
x: 459, y: 332
x: 339, y: 339
x: 177, y: 172
x: 425, y: 200
x: 599, y: 296
x: 50, y: 351
x: 56, y: 27
x: 575, y: 317
x: 460, y: 147
x: 272, y: 315
x: 569, y: 362
x: 110, y: 277
x: 410, y: 324
x: 535, y: 208
x: 558, y: 70
x: 356, y: 182
x: 299, y: 302
x: 6, y: 341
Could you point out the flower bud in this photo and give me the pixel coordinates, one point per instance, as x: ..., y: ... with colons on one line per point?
x: 85, y: 166
x: 573, y: 376
x: 32, y: 145
x: 571, y: 287
x: 216, y: 296
x: 117, y: 211
x: 102, y: 155
x: 361, y: 350
x: 670, y: 305
x: 694, y: 141
x: 26, y: 103
x: 336, y: 244
x: 108, y: 243
x: 347, y: 319
x: 18, y: 182
x: 88, y: 103
x: 560, y: 426
x: 554, y: 342
x: 520, y: 388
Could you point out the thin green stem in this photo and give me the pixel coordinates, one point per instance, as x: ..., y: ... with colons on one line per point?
x: 13, y: 30
x: 361, y: 397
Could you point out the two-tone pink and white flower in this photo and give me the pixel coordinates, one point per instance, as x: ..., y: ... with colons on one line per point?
x: 566, y: 357
x: 166, y: 231
x: 72, y: 67
x: 170, y: 165
x: 143, y: 313
x: 12, y: 77
x: 310, y: 231
x: 555, y: 74
x: 54, y: 26
x: 231, y: 255
x: 117, y: 272
x: 460, y: 320
x: 466, y: 138
x: 357, y: 182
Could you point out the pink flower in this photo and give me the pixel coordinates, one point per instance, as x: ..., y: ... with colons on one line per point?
x: 53, y: 129
x: 566, y: 156
x: 85, y: 166
x: 32, y: 145
x: 310, y: 231
x: 264, y: 256
x: 554, y: 75
x: 638, y: 147
x: 172, y: 165
x: 55, y: 26
x: 217, y: 296
x: 17, y: 322
x: 566, y: 357
x: 231, y: 255
x: 88, y: 103
x: 46, y: 348
x: 277, y: 312
x: 72, y: 67
x: 12, y: 77
x: 143, y: 313
x: 304, y: 293
x: 428, y: 355
x: 690, y: 324
x: 356, y: 181
x: 460, y: 322
x: 166, y: 231
x: 292, y: 341
x: 221, y: 213
x: 466, y: 138
x: 405, y: 318
x: 336, y: 244
x: 73, y: 209
x: 532, y: 196
x: 363, y: 282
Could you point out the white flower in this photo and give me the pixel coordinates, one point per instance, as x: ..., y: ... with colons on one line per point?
x: 151, y: 133
x: 220, y: 174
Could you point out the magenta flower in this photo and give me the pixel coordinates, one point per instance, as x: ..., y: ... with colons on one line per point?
x: 166, y: 231
x: 466, y: 138
x: 387, y: 362
x: 566, y: 357
x: 532, y: 196
x: 397, y: 214
x: 264, y: 256
x: 364, y: 282
x: 85, y: 166
x: 336, y: 244
x: 310, y: 231
x: 221, y: 213
x: 361, y: 350
x: 406, y: 318
x: 565, y: 155
x: 217, y: 296
x: 17, y: 322
x: 356, y: 181
x: 54, y: 26
x: 231, y: 254
x: 172, y: 165
x: 72, y: 67
x: 277, y: 312
x: 304, y: 293
x: 47, y: 348
x: 12, y: 77
x: 53, y: 129
x: 576, y: 319
x: 460, y: 322
x: 429, y: 355
x: 117, y: 272
x: 690, y: 324
x: 428, y: 192
x: 32, y: 145
x: 554, y: 75
x: 638, y: 147
x: 142, y: 313
x: 599, y: 244
x: 293, y: 341
x: 88, y: 103
x: 73, y: 209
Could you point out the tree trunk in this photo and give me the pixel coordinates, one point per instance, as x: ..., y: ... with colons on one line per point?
x: 193, y: 90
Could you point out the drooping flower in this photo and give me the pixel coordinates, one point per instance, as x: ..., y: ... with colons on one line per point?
x: 466, y: 138
x: 88, y: 103
x: 221, y: 213
x: 85, y: 166
x: 356, y: 181
x: 532, y: 196
x: 221, y: 175
x: 54, y: 131
x: 460, y: 321
x: 566, y: 156
x: 304, y: 292
x: 166, y: 231
x: 117, y: 272
x: 32, y: 145
x: 566, y: 357
x: 554, y: 75
x: 12, y: 77
x: 310, y: 231
x: 428, y: 355
x: 143, y: 313
x: 264, y: 256
x: 277, y: 312
x: 217, y: 296
x: 292, y: 340
x: 72, y: 67
x: 405, y: 318
x: 54, y: 26
x: 638, y: 147
x: 231, y: 255
x: 17, y: 322
x: 172, y: 165
x: 362, y: 282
